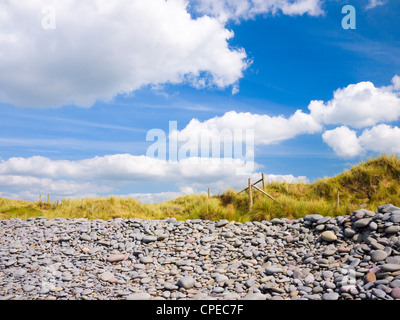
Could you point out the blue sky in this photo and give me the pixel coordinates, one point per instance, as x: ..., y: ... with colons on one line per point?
x: 70, y: 95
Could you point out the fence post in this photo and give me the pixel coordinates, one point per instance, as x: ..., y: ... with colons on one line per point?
x: 263, y: 180
x: 250, y: 194
x: 337, y: 200
x: 48, y: 199
x: 209, y: 194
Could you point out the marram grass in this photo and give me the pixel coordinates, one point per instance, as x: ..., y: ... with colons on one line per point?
x: 369, y: 184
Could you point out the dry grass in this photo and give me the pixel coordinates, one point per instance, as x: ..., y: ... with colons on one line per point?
x: 369, y: 184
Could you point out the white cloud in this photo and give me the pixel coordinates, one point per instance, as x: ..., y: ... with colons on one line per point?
x: 103, y: 48
x: 248, y: 9
x: 374, y: 3
x: 381, y: 138
x: 30, y: 177
x: 343, y: 141
x: 267, y: 129
x: 359, y: 105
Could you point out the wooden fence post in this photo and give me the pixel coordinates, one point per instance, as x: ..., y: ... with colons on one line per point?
x: 48, y: 199
x: 263, y: 181
x: 250, y: 194
x: 337, y: 200
x: 209, y: 194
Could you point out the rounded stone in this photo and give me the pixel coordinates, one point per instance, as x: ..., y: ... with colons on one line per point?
x: 330, y: 296
x: 395, y: 293
x: 328, y: 236
x: 186, y: 282
x: 370, y: 277
x: 378, y: 255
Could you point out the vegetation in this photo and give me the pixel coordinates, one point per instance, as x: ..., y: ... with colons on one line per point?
x: 369, y: 184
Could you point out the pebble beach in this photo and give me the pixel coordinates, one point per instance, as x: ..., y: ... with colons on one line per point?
x: 353, y: 257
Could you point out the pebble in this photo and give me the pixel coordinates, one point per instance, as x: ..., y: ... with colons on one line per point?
x: 186, y: 282
x: 395, y: 293
x: 378, y: 255
x: 315, y: 258
x: 139, y: 296
x: 328, y: 236
x: 330, y: 296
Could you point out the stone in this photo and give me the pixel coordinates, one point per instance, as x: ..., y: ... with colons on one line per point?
x: 139, y: 296
x: 328, y: 236
x: 186, y: 282
x: 313, y: 217
x: 395, y: 293
x: 370, y: 277
x: 348, y: 232
x: 222, y: 223
x: 255, y: 296
x: 28, y: 288
x: 330, y: 296
x: 106, y: 276
x: 361, y: 223
x: 378, y: 255
x: 207, y: 239
x: 149, y: 239
x: 392, y: 229
x: 118, y: 257
x: 378, y: 293
x: 273, y: 269
x: 19, y: 273
x: 390, y: 267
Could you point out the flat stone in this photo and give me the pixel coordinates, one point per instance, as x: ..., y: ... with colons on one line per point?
x: 221, y: 223
x: 313, y: 217
x: 330, y: 296
x: 378, y: 293
x: 207, y: 239
x: 139, y: 296
x: 390, y: 267
x: 361, y: 223
x: 149, y: 239
x: 392, y: 229
x: 118, y: 257
x: 273, y: 269
x: 254, y: 296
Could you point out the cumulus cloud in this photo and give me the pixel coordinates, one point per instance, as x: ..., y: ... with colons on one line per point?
x: 106, y: 175
x: 360, y: 105
x: 266, y: 129
x: 382, y: 138
x: 248, y: 9
x: 343, y: 141
x: 100, y: 48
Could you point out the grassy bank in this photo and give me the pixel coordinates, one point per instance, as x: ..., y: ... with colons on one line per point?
x: 369, y: 184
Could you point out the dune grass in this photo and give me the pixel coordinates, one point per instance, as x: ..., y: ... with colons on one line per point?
x: 368, y: 184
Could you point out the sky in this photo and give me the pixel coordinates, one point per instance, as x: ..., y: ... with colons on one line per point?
x: 153, y: 99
